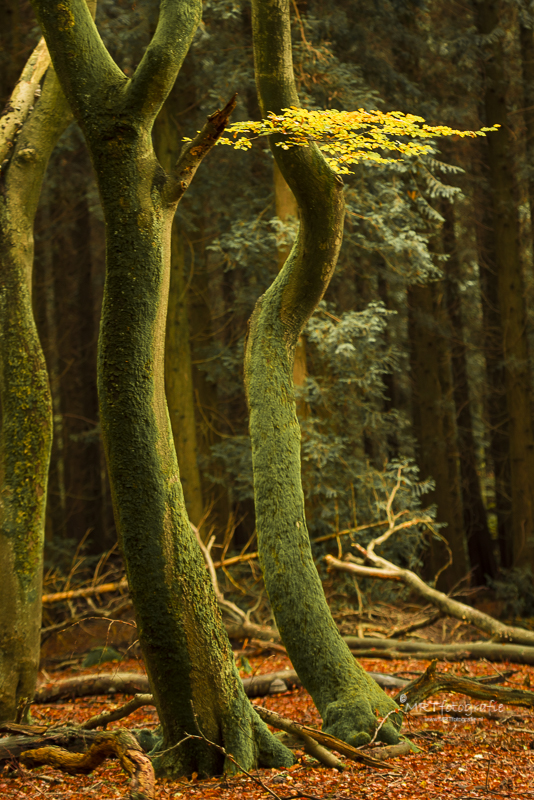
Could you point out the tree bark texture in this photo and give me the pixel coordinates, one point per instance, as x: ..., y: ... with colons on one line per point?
x: 185, y: 647
x: 435, y: 427
x: 479, y: 542
x: 179, y: 388
x: 501, y: 179
x: 344, y: 695
x: 26, y: 432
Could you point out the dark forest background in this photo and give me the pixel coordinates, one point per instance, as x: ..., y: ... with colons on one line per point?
x: 420, y: 355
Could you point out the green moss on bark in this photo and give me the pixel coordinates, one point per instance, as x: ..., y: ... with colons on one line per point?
x: 349, y: 702
x: 26, y: 433
x: 185, y: 647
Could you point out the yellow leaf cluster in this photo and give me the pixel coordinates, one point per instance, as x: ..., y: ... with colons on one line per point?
x: 346, y: 137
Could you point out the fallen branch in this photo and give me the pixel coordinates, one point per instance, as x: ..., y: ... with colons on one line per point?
x: 453, y: 608
x: 119, y: 744
x: 137, y: 684
x: 101, y: 720
x: 88, y: 685
x: 311, y: 746
x: 432, y: 682
x: 390, y: 649
x: 29, y: 737
x: 324, y: 739
x: 90, y: 591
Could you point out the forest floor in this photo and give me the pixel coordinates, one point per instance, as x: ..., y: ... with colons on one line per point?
x: 461, y: 758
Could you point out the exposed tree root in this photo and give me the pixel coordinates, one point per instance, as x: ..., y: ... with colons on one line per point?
x: 119, y: 744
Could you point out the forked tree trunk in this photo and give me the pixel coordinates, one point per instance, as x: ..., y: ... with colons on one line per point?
x: 26, y: 433
x: 185, y: 647
x: 344, y: 695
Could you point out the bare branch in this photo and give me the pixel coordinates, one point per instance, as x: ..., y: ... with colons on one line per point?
x: 90, y: 591
x: 101, y: 720
x: 453, y: 608
x: 22, y: 97
x: 193, y: 153
x: 311, y: 746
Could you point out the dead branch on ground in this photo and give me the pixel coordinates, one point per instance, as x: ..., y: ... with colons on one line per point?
x: 101, y: 720
x: 310, y: 745
x: 386, y: 570
x: 391, y: 649
x: 432, y: 682
x: 119, y: 744
x: 137, y: 684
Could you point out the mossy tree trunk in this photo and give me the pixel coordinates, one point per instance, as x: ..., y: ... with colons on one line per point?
x: 185, y: 647
x: 286, y: 211
x: 26, y: 433
x: 346, y: 698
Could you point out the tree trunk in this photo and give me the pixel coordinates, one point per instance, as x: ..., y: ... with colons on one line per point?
x: 345, y: 696
x: 435, y: 428
x: 179, y: 389
x: 479, y: 542
x: 26, y: 432
x: 185, y: 647
x: 496, y: 411
x: 287, y: 210
x: 527, y: 66
x: 501, y: 174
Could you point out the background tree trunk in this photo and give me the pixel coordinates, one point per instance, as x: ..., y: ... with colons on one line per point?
x: 435, y: 428
x: 26, y: 432
x: 500, y: 175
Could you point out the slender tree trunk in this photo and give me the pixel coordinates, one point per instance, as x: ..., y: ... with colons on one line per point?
x: 287, y: 210
x: 526, y: 39
x: 496, y: 410
x: 479, y: 543
x: 340, y: 688
x: 179, y: 388
x: 185, y: 647
x: 74, y: 384
x: 435, y: 428
x: 26, y: 433
x: 497, y: 150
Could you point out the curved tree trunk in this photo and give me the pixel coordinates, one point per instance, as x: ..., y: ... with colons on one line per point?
x: 185, y: 647
x: 344, y: 695
x: 26, y: 432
